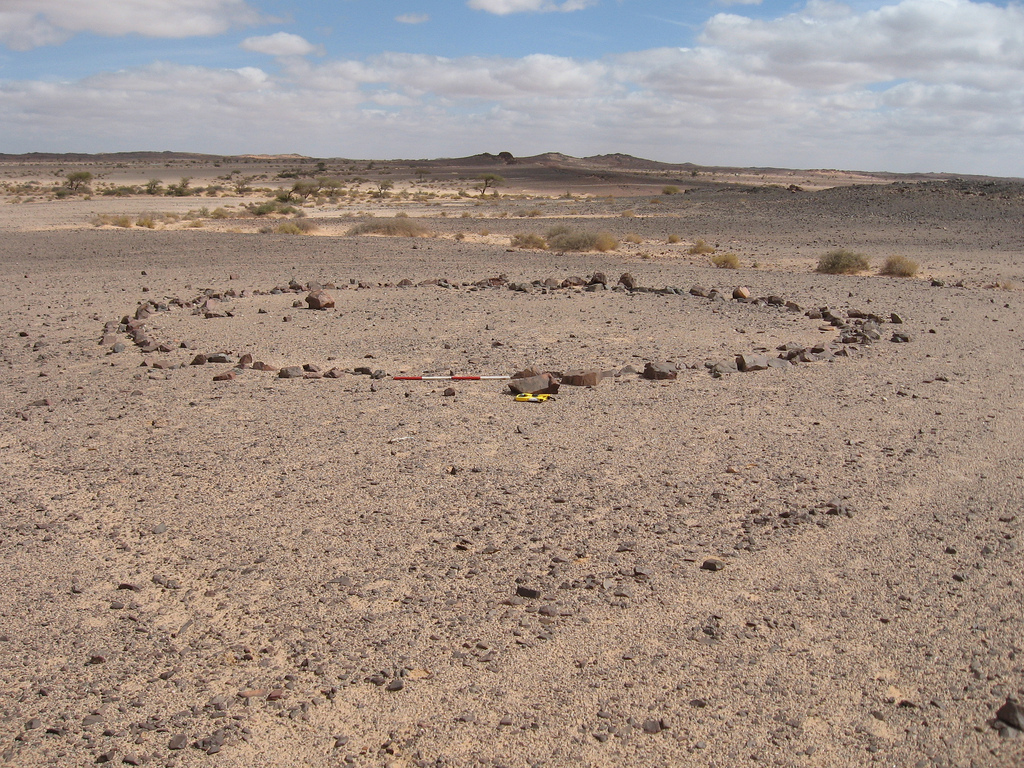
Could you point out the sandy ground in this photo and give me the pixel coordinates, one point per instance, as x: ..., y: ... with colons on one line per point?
x: 362, y: 571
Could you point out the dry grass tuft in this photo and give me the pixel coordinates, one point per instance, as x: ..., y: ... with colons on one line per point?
x: 726, y: 261
x: 899, y: 266
x: 565, y: 239
x: 700, y: 248
x: 529, y: 240
x: 842, y: 262
x: 397, y: 227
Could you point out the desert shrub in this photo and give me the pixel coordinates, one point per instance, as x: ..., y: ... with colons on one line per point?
x: 528, y: 213
x: 390, y: 227
x: 288, y: 228
x: 842, y: 262
x: 529, y: 240
x: 726, y: 261
x: 460, y: 236
x: 271, y: 206
x: 485, y: 232
x: 145, y: 220
x: 629, y: 213
x: 899, y: 266
x: 670, y: 190
x: 401, y: 215
x: 121, y: 221
x: 700, y: 247
x: 633, y: 238
x: 220, y: 213
x: 305, y: 226
x: 673, y: 239
x: 195, y: 224
x: 466, y: 215
x: 562, y: 238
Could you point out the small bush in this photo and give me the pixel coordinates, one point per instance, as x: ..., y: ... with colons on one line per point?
x: 899, y: 266
x: 700, y: 248
x: 565, y: 239
x: 528, y: 213
x: 673, y: 239
x: 120, y: 221
x: 842, y: 262
x: 529, y: 240
x: 220, y: 213
x: 145, y: 220
x: 633, y: 238
x: 288, y: 228
x: 271, y: 206
x: 670, y: 190
x: 629, y: 213
x: 726, y: 261
x: 390, y: 228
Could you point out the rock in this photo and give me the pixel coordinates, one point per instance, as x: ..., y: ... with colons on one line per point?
x: 291, y: 372
x: 449, y: 392
x: 900, y: 337
x: 226, y: 376
x: 544, y: 384
x: 652, y: 726
x: 527, y: 592
x: 713, y: 564
x: 698, y: 290
x: 581, y: 378
x: 598, y: 278
x: 178, y: 741
x: 627, y: 281
x: 751, y: 362
x: 319, y: 299
x: 741, y: 293
x: 1012, y: 713
x: 723, y: 367
x: 395, y: 685
x: 334, y: 373
x: 660, y: 371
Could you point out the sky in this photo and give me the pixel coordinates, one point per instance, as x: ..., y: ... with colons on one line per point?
x: 907, y: 85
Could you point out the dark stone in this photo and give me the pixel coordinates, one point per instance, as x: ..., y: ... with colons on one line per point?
x: 751, y: 362
x: 1012, y: 713
x: 527, y: 592
x: 544, y: 384
x: 626, y: 280
x: 598, y: 278
x: 660, y: 371
x: 320, y: 299
x: 581, y: 378
x: 291, y: 372
x: 178, y: 741
x: 449, y: 392
x: 713, y: 564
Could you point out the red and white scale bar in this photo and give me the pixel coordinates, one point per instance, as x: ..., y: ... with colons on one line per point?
x: 449, y: 378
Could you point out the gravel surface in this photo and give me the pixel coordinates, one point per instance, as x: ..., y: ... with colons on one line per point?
x: 811, y: 565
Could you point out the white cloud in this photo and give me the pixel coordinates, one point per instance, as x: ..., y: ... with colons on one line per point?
x: 26, y: 24
x: 505, y: 7
x: 412, y: 18
x: 920, y: 85
x: 279, y: 44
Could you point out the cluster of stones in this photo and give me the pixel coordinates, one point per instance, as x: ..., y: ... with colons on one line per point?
x: 856, y: 328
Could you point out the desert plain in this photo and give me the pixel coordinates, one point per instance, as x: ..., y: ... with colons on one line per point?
x: 206, y: 563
